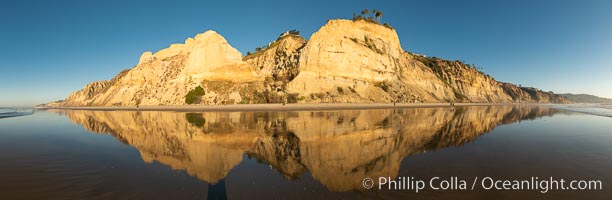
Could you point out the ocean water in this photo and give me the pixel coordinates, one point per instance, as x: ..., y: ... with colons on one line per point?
x: 604, y: 110
x: 72, y: 154
x: 14, y: 112
x: 6, y: 110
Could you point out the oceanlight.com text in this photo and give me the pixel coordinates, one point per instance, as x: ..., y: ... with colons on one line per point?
x: 542, y: 185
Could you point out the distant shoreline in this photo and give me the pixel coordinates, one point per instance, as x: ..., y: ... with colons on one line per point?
x: 281, y: 107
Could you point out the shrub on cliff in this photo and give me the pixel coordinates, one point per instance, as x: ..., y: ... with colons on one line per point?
x: 340, y: 90
x: 293, y: 98
x: 383, y: 85
x: 195, y: 95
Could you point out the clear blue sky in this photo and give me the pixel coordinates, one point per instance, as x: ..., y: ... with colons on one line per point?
x: 51, y: 48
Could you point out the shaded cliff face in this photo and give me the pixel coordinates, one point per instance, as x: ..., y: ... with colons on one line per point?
x: 278, y: 64
x: 280, y: 60
x: 344, y: 61
x: 337, y: 148
x: 469, y: 84
x: 88, y: 92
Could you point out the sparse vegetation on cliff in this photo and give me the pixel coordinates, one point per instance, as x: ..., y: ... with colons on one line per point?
x: 365, y: 16
x: 369, y: 43
x: 289, y: 33
x: 440, y: 66
x: 259, y: 50
x: 255, y: 97
x: 292, y: 98
x: 383, y: 85
x: 340, y: 90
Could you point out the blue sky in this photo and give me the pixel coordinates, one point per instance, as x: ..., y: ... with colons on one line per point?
x: 51, y: 48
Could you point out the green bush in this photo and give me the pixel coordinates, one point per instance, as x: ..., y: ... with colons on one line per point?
x: 245, y: 100
x: 195, y: 95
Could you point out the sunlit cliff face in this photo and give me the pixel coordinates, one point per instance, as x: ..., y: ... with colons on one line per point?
x: 338, y: 148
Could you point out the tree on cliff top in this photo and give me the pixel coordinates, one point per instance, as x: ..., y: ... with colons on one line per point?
x: 365, y: 16
x: 378, y: 14
x: 365, y: 13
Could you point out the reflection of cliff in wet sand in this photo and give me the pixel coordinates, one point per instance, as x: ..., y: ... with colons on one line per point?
x: 338, y: 148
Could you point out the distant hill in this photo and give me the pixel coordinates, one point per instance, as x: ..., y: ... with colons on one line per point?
x: 586, y: 98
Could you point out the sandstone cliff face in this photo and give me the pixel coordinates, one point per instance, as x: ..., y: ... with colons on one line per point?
x: 165, y: 77
x: 344, y: 61
x: 358, y: 61
x: 352, y: 49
